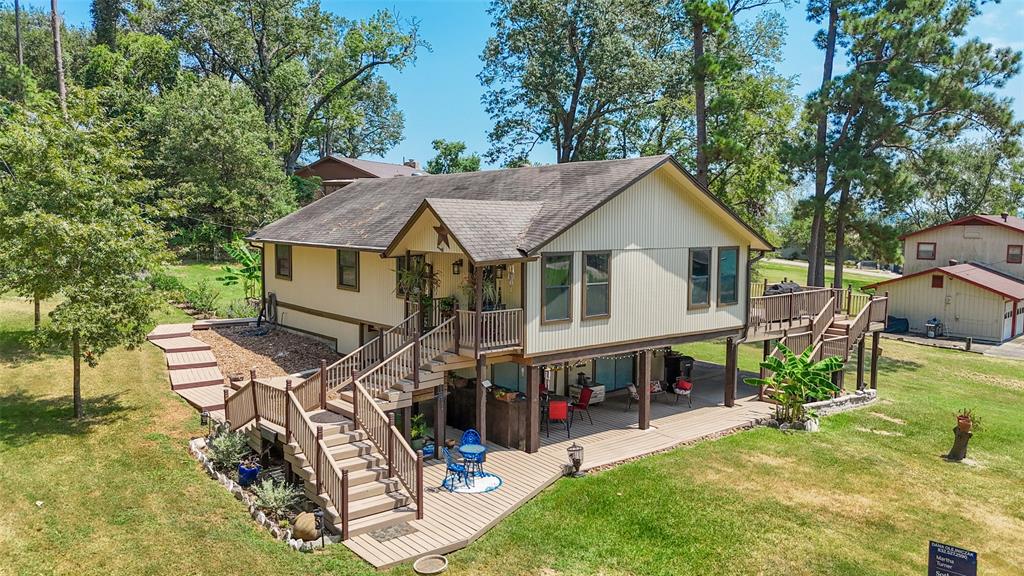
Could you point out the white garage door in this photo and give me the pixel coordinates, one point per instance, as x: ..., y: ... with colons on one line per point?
x: 1008, y: 321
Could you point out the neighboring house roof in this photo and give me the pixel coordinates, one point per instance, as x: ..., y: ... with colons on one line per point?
x: 976, y: 274
x: 372, y: 168
x: 1012, y: 222
x: 371, y: 212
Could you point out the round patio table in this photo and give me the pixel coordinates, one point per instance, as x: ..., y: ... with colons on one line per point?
x: 474, y: 457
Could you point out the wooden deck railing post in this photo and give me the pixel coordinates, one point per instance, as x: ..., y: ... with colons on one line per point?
x: 323, y: 384
x: 255, y: 398
x: 389, y: 442
x: 415, y: 360
x: 316, y: 468
x: 344, y: 504
x: 355, y: 402
x: 419, y: 484
x: 789, y: 320
x: 380, y: 346
x: 457, y: 327
x: 287, y: 410
x: 227, y: 415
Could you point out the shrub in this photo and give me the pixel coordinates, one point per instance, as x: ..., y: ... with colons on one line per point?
x: 228, y: 449
x: 276, y: 498
x: 203, y: 297
x: 169, y: 285
x: 796, y: 380
x: 241, y: 309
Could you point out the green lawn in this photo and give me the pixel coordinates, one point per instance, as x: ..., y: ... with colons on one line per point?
x: 121, y: 495
x: 192, y: 274
x: 777, y: 271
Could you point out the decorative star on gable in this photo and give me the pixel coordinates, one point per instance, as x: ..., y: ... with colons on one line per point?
x: 442, y: 237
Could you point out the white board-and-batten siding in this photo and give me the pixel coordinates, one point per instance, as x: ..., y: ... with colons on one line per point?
x: 649, y: 230
x: 965, y: 310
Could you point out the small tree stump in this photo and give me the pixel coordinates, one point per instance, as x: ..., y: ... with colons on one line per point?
x: 959, y: 450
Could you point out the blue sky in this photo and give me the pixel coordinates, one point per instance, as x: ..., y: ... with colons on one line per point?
x: 440, y: 94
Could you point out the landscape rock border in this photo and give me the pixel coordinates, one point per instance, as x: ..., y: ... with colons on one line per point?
x: 196, y: 447
x: 851, y: 401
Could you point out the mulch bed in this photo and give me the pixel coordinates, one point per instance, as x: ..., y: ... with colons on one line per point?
x: 270, y: 351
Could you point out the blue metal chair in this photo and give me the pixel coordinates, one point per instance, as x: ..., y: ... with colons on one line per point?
x: 454, y: 471
x: 474, y: 463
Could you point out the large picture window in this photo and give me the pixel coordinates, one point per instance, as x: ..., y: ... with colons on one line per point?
x: 728, y: 275
x: 348, y: 269
x: 700, y: 277
x: 283, y: 261
x: 597, y: 301
x: 556, y: 279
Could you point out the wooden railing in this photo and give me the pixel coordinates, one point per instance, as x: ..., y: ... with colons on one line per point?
x: 400, y: 365
x: 836, y: 346
x: 786, y: 308
x: 499, y: 328
x: 340, y: 373
x: 403, y: 462
x: 880, y: 309
x: 399, y: 335
x: 240, y: 407
x: 823, y: 319
x: 270, y: 403
x: 332, y: 481
x: 308, y: 392
x: 300, y: 429
x: 437, y: 341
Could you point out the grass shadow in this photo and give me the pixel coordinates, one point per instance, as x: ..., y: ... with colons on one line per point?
x: 25, y: 419
x: 16, y: 349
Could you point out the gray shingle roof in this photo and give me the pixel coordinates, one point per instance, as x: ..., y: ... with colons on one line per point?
x: 370, y: 212
x: 488, y: 230
x: 379, y: 169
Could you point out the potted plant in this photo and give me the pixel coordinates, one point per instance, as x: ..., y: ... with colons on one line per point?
x: 796, y: 380
x: 418, y: 431
x: 248, y: 471
x: 966, y: 420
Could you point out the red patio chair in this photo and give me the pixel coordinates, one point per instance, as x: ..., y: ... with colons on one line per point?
x: 583, y: 404
x: 558, y: 411
x: 683, y: 387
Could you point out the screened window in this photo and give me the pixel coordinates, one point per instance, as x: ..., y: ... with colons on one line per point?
x: 926, y: 250
x: 728, y: 275
x: 283, y: 261
x: 1014, y: 253
x: 937, y: 280
x: 597, y: 290
x: 557, y: 287
x: 700, y: 277
x: 348, y: 269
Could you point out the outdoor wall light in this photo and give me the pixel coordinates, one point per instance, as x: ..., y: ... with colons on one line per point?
x: 499, y: 271
x: 457, y: 267
x: 575, y: 459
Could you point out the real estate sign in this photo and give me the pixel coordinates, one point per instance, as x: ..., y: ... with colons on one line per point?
x: 946, y: 560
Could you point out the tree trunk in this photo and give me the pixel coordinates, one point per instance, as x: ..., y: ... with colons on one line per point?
x: 701, y: 101
x: 17, y: 33
x: 38, y: 318
x: 62, y: 91
x: 816, y: 250
x: 76, y: 359
x: 841, y: 212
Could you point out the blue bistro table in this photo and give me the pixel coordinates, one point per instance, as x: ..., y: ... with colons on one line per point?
x: 473, y: 454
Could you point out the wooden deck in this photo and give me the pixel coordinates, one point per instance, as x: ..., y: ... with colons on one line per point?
x: 453, y: 521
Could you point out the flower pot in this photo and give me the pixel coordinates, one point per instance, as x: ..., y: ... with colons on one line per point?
x: 417, y: 443
x: 964, y: 424
x: 247, y: 475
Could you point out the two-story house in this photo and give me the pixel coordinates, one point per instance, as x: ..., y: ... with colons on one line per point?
x: 968, y: 274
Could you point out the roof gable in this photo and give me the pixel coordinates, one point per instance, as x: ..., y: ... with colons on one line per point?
x: 1011, y: 222
x: 976, y: 274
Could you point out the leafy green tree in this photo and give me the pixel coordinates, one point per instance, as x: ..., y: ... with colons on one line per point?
x: 563, y: 73
x: 364, y: 119
x: 295, y: 58
x: 207, y: 149
x: 70, y: 211
x: 37, y: 45
x: 106, y: 15
x: 449, y: 158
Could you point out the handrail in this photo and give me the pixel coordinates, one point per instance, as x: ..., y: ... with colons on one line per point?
x: 788, y: 307
x: 836, y: 346
x: 403, y: 462
x: 333, y: 482
x: 340, y: 373
x: 240, y: 407
x: 400, y: 334
x: 498, y: 328
x: 386, y: 374
x: 860, y: 324
x: 438, y: 340
x: 823, y: 319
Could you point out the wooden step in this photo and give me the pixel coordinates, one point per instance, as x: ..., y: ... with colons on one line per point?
x: 361, y: 462
x: 180, y: 344
x: 197, y: 359
x: 355, y: 478
x: 164, y: 331
x: 208, y: 398
x: 375, y: 504
x: 341, y: 407
x: 344, y: 438
x: 378, y: 521
x: 214, y: 322
x: 196, y: 378
x: 373, y: 488
x: 352, y: 449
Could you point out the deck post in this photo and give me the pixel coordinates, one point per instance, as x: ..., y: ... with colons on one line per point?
x: 457, y: 327
x: 440, y: 418
x: 419, y: 484
x: 355, y: 404
x: 390, y: 444
x: 316, y: 467
x: 789, y: 313
x: 532, y: 409
x: 380, y: 344
x: 416, y: 359
x: 875, y: 351
x: 849, y: 297
x: 344, y: 505
x: 287, y: 410
x: 227, y: 417
x: 860, y: 364
x: 730, y: 372
x: 323, y: 384
x: 255, y: 398
x: 644, y: 388
x: 481, y: 398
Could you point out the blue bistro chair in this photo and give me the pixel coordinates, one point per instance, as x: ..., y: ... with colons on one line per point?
x: 473, y: 462
x: 454, y: 471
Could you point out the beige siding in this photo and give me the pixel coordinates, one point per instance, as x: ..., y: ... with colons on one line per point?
x: 314, y: 286
x: 649, y: 229
x: 985, y: 244
x: 964, y: 309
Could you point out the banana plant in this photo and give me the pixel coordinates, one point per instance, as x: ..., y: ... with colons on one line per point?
x: 249, y: 270
x: 796, y: 380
